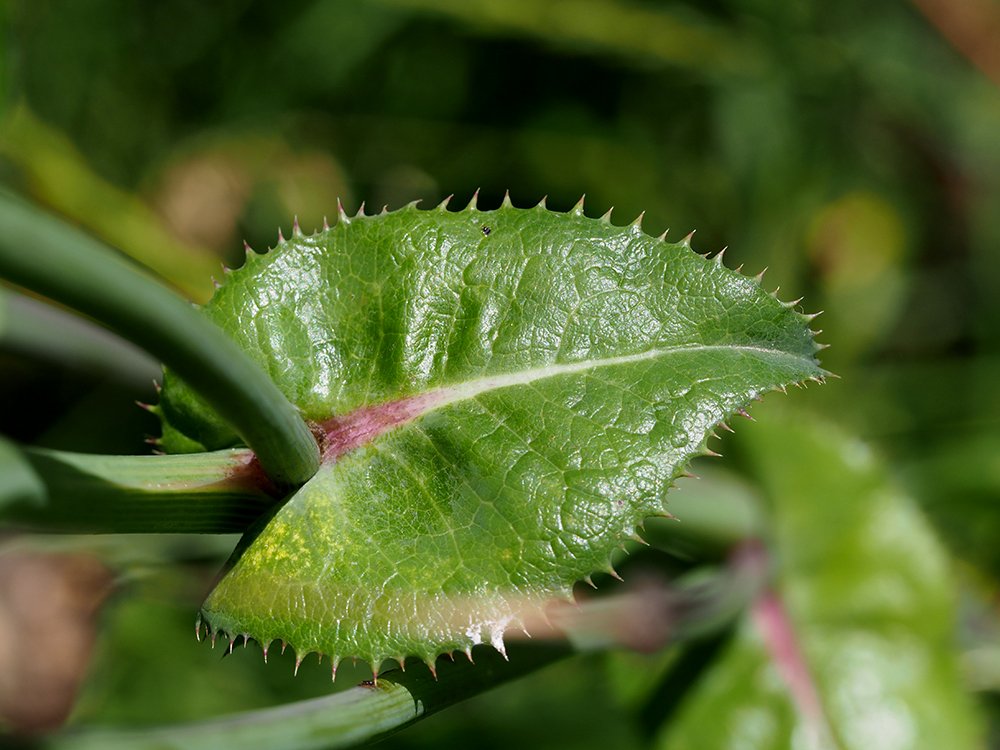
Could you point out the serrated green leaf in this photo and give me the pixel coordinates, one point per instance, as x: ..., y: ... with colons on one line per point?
x: 866, y: 590
x: 505, y: 395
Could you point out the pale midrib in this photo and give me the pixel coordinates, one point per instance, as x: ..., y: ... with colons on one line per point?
x: 350, y: 431
x: 473, y: 388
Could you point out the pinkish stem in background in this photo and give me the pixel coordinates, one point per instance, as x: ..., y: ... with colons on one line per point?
x: 771, y: 618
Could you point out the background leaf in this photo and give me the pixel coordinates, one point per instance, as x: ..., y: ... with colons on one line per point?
x: 868, y: 593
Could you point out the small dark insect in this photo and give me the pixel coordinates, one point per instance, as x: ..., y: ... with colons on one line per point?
x: 486, y: 231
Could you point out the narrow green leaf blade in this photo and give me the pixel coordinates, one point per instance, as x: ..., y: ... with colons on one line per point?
x: 506, y: 395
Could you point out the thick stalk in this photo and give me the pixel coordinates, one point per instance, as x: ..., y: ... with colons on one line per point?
x: 347, y: 719
x: 209, y: 493
x: 33, y: 328
x: 51, y: 258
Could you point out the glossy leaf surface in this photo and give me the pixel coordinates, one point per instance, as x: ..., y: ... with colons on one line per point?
x: 504, y: 396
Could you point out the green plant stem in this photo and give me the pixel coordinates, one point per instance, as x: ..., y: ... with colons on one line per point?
x: 210, y: 493
x: 51, y: 258
x: 32, y: 328
x: 346, y: 719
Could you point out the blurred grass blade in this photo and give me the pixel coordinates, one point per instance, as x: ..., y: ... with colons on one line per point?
x: 32, y: 328
x: 206, y: 493
x: 346, y: 719
x: 626, y: 29
x: 42, y: 254
x: 60, y: 176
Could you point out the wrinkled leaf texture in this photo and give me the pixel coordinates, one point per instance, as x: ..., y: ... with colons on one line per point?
x: 505, y: 396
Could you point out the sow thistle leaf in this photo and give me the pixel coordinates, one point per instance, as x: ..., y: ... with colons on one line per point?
x: 504, y: 397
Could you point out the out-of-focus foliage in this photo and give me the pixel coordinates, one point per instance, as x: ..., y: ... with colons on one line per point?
x: 851, y: 147
x: 868, y: 590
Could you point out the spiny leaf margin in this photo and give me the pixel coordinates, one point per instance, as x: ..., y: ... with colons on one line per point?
x: 281, y: 587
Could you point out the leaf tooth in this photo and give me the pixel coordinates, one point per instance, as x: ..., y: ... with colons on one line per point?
x: 401, y: 661
x: 284, y: 645
x: 636, y: 225
x: 413, y: 205
x: 152, y: 409
x: 710, y: 453
x: 759, y: 278
x: 384, y: 211
x: 326, y: 224
x: 232, y: 642
x: 334, y: 663
x: 246, y: 639
x: 247, y: 249
x: 739, y: 268
x: 809, y: 317
x: 577, y: 209
x: 443, y: 205
x: 473, y: 202
x: 296, y: 229
x: 197, y: 628
x: 610, y: 570
x: 686, y: 242
x: 663, y: 237
x: 505, y: 203
x: 719, y: 256
x: 636, y: 537
x: 541, y: 204
x: 606, y: 217
x: 215, y: 282
x: 496, y: 640
x: 361, y: 211
x: 342, y: 217
x: 774, y: 294
x: 281, y: 237
x: 430, y: 661
x: 468, y: 654
x: 589, y: 581
x: 792, y: 303
x: 663, y: 514
x: 745, y: 414
x: 298, y: 662
x: 264, y: 648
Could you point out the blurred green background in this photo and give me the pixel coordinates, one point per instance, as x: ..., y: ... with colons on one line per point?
x: 853, y: 148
